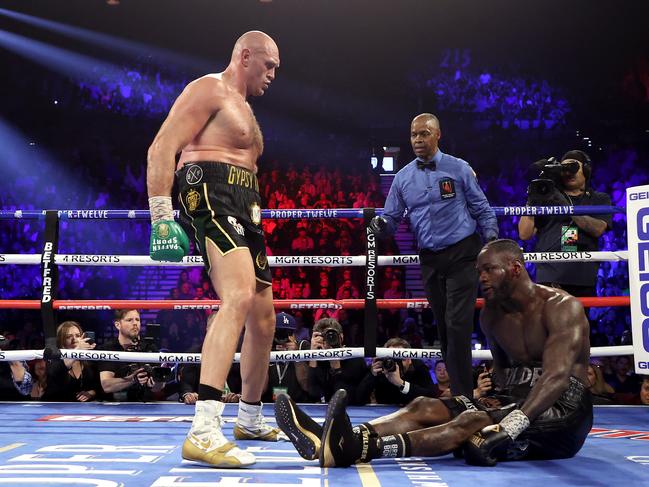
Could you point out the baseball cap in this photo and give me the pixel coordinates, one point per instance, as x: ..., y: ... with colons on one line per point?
x: 284, y: 321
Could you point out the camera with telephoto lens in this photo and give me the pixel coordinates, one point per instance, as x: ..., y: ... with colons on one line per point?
x: 332, y: 338
x: 157, y: 373
x: 548, y: 181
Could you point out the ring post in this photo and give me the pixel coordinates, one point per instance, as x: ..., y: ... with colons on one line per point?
x: 50, y: 276
x: 371, y: 312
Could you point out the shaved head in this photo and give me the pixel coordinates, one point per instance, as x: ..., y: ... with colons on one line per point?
x: 507, y: 247
x: 255, y: 41
x: 427, y: 118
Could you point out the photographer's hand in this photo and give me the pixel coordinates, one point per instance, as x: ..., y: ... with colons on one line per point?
x: 134, y: 376
x: 317, y: 343
x: 484, y: 385
x: 394, y: 377
x: 377, y: 367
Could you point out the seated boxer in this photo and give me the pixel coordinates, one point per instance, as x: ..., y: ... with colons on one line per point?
x: 539, y: 341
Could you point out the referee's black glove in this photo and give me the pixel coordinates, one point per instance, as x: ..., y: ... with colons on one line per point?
x: 378, y: 224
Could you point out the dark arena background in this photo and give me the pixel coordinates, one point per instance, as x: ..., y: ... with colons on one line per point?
x: 86, y: 84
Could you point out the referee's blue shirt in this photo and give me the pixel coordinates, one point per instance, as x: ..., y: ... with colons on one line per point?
x: 444, y: 204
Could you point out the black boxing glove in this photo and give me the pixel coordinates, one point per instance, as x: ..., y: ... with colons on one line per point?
x: 378, y: 224
x: 483, y: 447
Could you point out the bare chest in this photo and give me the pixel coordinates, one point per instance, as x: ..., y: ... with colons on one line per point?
x: 236, y: 126
x: 522, y: 337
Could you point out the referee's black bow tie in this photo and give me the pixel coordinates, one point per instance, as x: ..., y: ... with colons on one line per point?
x: 428, y: 164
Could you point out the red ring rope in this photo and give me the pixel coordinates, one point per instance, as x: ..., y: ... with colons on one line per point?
x: 98, y: 304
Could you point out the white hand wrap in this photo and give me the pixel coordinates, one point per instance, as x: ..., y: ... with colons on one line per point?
x: 161, y: 208
x: 515, y: 423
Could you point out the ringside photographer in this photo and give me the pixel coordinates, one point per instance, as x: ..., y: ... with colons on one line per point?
x: 566, y: 183
x: 291, y: 378
x: 326, y: 377
x: 397, y: 381
x: 131, y: 382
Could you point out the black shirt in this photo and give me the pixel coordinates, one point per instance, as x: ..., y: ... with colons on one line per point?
x: 284, y: 375
x: 418, y: 376
x: 555, y: 234
x: 62, y: 386
x: 324, y: 381
x: 134, y: 392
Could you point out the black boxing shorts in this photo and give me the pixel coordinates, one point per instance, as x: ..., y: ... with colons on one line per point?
x: 559, y: 432
x: 220, y: 203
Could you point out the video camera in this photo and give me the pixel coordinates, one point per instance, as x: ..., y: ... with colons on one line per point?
x: 548, y: 182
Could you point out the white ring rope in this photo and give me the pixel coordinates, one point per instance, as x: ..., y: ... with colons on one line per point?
x: 290, y: 356
x: 295, y: 260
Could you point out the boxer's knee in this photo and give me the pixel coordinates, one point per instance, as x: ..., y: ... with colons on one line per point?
x: 424, y: 407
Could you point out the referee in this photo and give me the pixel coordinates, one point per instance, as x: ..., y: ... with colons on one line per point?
x: 445, y: 206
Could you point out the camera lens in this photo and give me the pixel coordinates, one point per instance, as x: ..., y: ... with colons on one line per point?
x: 389, y: 365
x: 332, y: 337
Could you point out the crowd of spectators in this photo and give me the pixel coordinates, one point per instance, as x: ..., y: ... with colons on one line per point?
x: 507, y: 101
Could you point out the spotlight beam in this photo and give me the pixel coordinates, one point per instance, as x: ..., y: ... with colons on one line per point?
x: 123, y: 46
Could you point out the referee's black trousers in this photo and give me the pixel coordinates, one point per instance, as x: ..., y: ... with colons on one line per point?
x: 451, y: 283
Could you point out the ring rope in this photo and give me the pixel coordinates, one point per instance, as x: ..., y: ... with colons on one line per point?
x: 295, y: 355
x: 295, y: 260
x: 305, y: 213
x: 213, y: 304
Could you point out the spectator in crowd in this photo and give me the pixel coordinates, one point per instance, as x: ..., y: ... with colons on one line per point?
x: 442, y: 379
x: 288, y: 377
x: 15, y: 379
x: 644, y: 391
x: 327, y: 376
x: 483, y: 384
x: 444, y: 221
x: 347, y: 290
x: 571, y: 233
x: 302, y: 244
x: 189, y: 379
x: 71, y: 379
x: 397, y: 381
x: 123, y: 381
x: 38, y: 369
x: 409, y: 332
x: 601, y: 391
x: 622, y: 379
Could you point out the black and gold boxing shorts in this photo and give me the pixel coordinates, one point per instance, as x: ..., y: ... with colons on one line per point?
x: 220, y: 202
